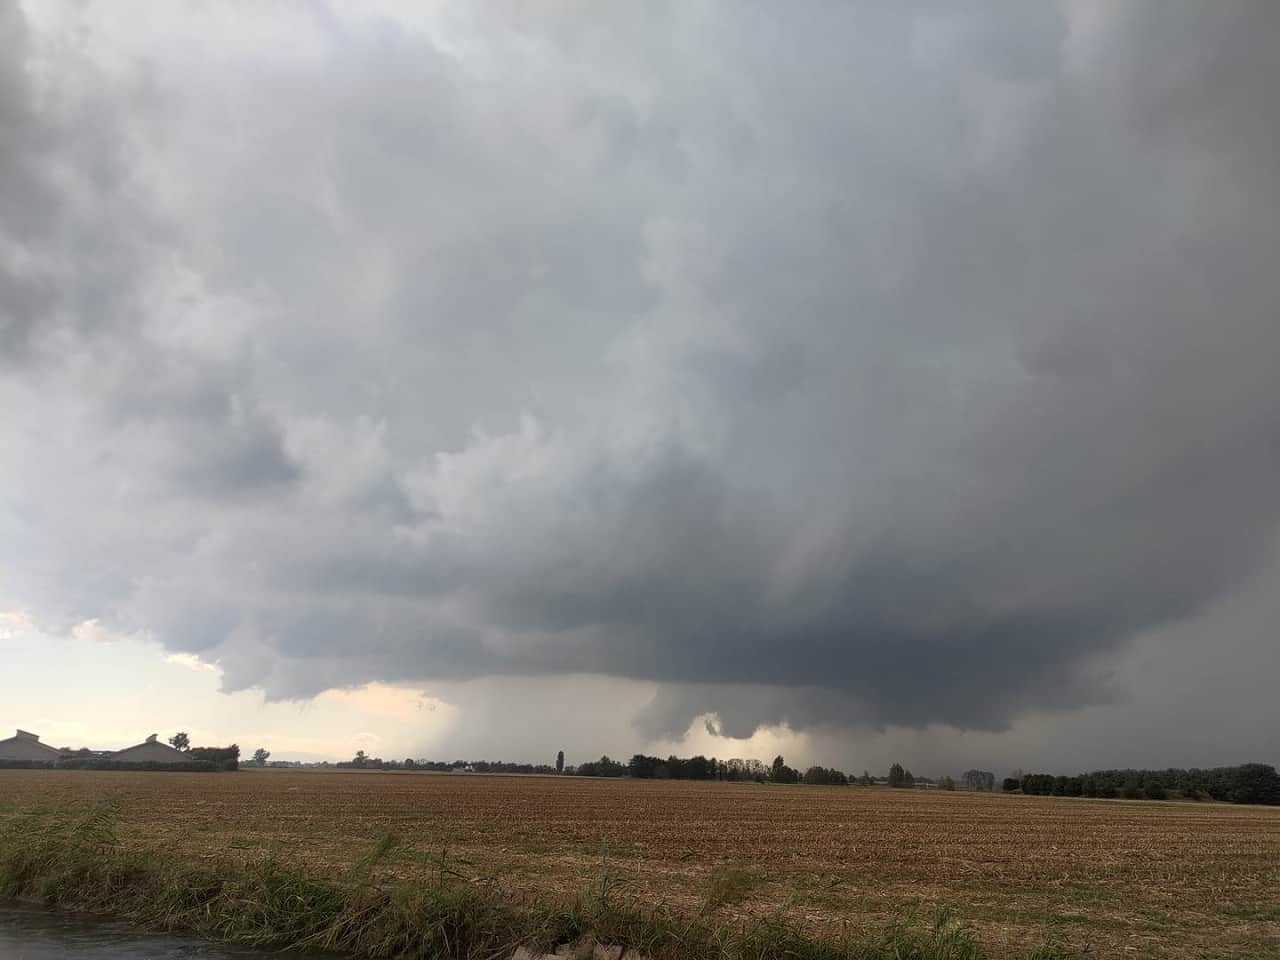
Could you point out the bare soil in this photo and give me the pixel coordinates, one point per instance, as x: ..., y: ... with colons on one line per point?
x: 1107, y: 878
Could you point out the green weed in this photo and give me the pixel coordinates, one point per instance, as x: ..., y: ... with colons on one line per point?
x: 78, y: 862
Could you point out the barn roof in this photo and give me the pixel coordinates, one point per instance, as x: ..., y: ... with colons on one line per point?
x: 150, y: 745
x: 30, y: 740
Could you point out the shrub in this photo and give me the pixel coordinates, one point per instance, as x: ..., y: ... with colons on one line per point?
x: 1256, y: 783
x: 604, y: 767
x: 100, y: 763
x: 826, y: 776
x: 223, y: 758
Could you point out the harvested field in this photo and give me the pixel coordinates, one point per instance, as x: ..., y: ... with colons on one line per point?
x: 1112, y: 878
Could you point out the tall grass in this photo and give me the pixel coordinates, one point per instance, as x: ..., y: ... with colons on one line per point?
x: 75, y: 861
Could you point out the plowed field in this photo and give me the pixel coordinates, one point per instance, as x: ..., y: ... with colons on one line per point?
x: 1117, y: 878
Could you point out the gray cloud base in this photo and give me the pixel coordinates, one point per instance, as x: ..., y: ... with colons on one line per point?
x: 871, y: 366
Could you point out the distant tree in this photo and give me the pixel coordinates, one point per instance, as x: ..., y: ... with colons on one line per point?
x: 897, y: 776
x: 979, y: 780
x: 1011, y: 784
x: 1247, y: 783
x: 643, y: 767
x: 410, y: 763
x: 180, y: 741
x: 260, y: 756
x: 825, y: 776
x: 1155, y: 790
x: 946, y: 783
x: 360, y: 759
x: 697, y: 768
x: 779, y: 772
x: 560, y: 762
x: 866, y: 778
x: 604, y: 767
x: 908, y: 780
x: 735, y: 770
x: 1255, y: 783
x: 223, y: 758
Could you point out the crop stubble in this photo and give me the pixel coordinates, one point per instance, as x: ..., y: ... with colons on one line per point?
x: 1138, y: 879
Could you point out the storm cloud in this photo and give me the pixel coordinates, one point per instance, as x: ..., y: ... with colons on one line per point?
x: 850, y: 365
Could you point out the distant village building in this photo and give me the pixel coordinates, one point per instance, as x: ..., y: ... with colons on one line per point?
x: 27, y: 746
x: 150, y: 751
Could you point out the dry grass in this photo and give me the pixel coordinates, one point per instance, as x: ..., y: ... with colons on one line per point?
x: 1113, y: 878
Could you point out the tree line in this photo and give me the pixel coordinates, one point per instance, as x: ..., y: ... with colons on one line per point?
x: 1247, y: 783
x: 194, y: 760
x: 222, y: 758
x: 362, y: 761
x: 644, y: 767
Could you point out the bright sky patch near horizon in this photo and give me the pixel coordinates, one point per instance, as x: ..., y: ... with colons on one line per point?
x: 863, y: 382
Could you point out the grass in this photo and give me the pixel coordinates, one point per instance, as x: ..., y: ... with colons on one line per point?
x: 75, y: 860
x: 1098, y: 878
x: 727, y: 886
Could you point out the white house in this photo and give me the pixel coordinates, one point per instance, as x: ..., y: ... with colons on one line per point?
x: 26, y: 746
x: 149, y: 751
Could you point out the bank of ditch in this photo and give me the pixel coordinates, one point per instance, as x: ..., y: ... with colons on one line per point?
x: 74, y: 860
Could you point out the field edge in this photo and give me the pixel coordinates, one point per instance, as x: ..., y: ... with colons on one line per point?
x: 73, y: 860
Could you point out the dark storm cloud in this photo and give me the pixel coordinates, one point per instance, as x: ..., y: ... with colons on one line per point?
x: 877, y: 365
x: 74, y: 234
x: 23, y: 297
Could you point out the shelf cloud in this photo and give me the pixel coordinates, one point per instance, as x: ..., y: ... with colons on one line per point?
x: 839, y: 366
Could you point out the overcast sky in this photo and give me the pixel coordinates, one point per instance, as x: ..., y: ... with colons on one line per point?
x: 868, y: 381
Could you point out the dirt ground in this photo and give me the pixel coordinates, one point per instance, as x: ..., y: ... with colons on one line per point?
x: 1113, y: 878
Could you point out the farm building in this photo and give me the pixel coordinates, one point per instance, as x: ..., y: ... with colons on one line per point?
x: 26, y: 746
x: 149, y: 751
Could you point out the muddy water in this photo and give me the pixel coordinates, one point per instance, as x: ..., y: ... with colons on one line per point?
x: 30, y: 933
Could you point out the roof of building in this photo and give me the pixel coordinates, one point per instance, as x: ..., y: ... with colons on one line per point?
x: 151, y: 746
x: 30, y: 740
